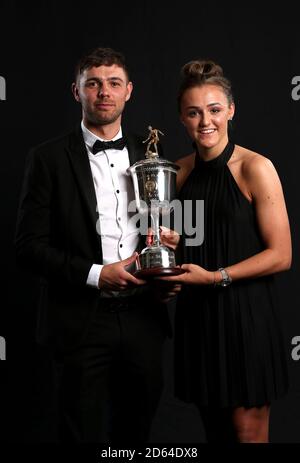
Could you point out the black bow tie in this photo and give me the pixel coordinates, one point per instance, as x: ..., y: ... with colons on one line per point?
x: 106, y: 145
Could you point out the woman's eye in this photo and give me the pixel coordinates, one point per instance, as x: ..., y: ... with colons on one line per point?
x: 192, y: 113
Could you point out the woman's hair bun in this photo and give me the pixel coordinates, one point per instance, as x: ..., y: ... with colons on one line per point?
x: 202, y: 69
x: 200, y: 72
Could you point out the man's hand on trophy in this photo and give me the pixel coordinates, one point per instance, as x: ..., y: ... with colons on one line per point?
x: 116, y: 277
x: 168, y: 237
x: 165, y: 291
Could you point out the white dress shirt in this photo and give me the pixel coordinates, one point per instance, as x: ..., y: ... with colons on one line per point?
x: 114, y: 191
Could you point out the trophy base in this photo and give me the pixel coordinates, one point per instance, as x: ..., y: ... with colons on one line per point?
x: 156, y: 261
x: 147, y: 273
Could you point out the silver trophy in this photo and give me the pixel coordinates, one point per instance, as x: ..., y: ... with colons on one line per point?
x: 154, y: 181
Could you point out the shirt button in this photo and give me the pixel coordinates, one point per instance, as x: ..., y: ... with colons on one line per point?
x: 121, y: 245
x: 118, y: 191
x: 119, y: 219
x: 112, y: 165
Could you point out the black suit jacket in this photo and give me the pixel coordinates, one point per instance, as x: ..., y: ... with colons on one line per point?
x: 56, y: 236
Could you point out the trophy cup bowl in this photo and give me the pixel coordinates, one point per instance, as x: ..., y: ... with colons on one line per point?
x: 154, y: 182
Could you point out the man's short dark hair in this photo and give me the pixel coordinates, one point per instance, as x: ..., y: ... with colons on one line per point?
x: 101, y: 57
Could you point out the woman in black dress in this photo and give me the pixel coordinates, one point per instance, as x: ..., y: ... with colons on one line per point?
x: 230, y: 358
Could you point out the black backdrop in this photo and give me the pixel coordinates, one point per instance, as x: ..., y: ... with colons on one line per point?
x: 39, y: 45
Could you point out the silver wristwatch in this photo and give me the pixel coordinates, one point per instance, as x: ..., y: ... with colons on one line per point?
x: 226, y: 279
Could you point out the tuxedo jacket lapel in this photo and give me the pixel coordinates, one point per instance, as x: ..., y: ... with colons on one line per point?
x: 82, y: 170
x: 134, y: 147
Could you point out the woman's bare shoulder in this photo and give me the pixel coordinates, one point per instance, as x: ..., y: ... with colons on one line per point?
x: 186, y: 165
x: 250, y: 161
x: 186, y: 162
x: 257, y: 171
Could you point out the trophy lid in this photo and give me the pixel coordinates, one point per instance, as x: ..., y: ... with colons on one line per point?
x: 153, y: 164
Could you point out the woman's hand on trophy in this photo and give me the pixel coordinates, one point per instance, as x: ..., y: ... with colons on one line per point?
x: 194, y: 275
x: 168, y: 237
x: 115, y: 276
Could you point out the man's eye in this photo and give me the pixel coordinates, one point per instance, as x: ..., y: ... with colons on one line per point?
x: 192, y: 113
x: 91, y: 84
x: 115, y: 84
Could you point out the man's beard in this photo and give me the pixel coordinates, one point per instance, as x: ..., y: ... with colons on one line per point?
x: 104, y: 119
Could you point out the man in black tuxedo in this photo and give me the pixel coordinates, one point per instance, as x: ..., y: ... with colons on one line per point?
x: 74, y: 231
